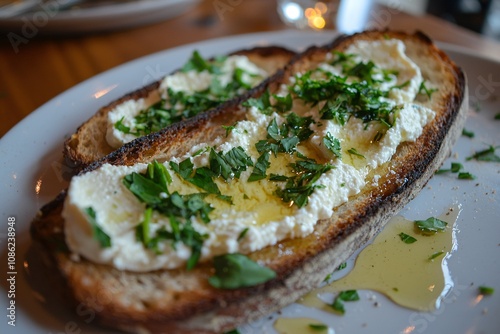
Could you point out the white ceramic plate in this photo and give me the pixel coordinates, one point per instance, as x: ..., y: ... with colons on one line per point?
x: 107, y: 16
x: 32, y: 172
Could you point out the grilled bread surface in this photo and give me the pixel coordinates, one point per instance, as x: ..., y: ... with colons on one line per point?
x: 180, y: 301
x: 89, y: 144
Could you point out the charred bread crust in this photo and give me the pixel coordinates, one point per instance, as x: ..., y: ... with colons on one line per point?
x: 89, y: 143
x: 301, y: 264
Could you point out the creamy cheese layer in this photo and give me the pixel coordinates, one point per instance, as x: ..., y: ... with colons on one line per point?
x: 255, y: 206
x: 188, y: 82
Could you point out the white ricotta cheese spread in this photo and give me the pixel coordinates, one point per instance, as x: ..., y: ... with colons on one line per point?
x: 189, y: 83
x: 255, y: 208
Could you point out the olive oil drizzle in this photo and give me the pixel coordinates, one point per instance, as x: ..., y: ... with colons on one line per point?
x: 406, y: 273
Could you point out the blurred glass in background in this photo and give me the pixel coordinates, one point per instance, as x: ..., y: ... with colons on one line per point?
x: 345, y: 16
x: 349, y: 16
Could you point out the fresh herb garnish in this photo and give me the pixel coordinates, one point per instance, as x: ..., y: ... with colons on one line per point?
x: 407, y: 239
x: 486, y: 155
x: 260, y: 168
x: 233, y: 271
x: 435, y: 255
x: 455, y: 168
x: 467, y: 133
x: 228, y: 129
x: 318, y: 327
x: 427, y: 91
x: 243, y: 233
x: 344, y: 296
x: 299, y: 187
x: 343, y: 100
x: 151, y: 188
x: 101, y: 236
x: 486, y: 290
x: 234, y: 331
x: 355, y: 152
x: 466, y: 176
x: 201, y: 177
x: 431, y: 225
x: 333, y: 144
x: 497, y: 116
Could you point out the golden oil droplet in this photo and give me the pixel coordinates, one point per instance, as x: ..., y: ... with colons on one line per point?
x: 403, y: 272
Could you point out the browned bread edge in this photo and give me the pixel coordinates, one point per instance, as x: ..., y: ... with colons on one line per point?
x: 89, y: 144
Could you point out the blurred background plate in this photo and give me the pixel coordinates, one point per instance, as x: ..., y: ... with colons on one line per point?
x: 53, y: 17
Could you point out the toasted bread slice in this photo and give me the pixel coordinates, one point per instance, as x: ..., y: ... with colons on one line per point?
x: 180, y: 301
x: 89, y: 142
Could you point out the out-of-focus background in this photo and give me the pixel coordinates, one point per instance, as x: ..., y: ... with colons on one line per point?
x: 481, y: 16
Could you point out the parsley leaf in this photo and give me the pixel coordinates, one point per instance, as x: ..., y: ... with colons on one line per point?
x: 233, y: 271
x: 424, y: 90
x: 200, y: 177
x: 467, y: 133
x: 486, y: 155
x: 344, y: 296
x: 431, y: 225
x: 355, y: 152
x: 466, y: 176
x: 318, y: 327
x: 101, y: 236
x: 151, y: 188
x: 260, y: 168
x: 333, y: 144
x: 299, y: 187
x: 486, y: 290
x: 435, y: 255
x: 407, y: 239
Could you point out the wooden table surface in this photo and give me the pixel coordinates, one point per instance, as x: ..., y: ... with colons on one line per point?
x: 46, y: 66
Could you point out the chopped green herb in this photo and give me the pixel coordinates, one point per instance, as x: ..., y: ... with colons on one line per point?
x: 327, y: 278
x: 344, y: 296
x: 234, y: 331
x: 486, y: 155
x: 151, y: 188
x: 343, y: 100
x: 456, y: 167
x: 435, y: 255
x: 333, y: 144
x: 260, y: 168
x: 424, y: 90
x: 233, y: 271
x: 228, y: 129
x: 467, y: 133
x: 497, y: 116
x: 243, y: 233
x: 318, y: 327
x: 431, y: 225
x: 486, y: 290
x: 342, y: 266
x: 355, y: 152
x: 466, y: 176
x: 101, y: 236
x: 298, y: 188
x: 200, y: 177
x: 407, y: 239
